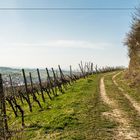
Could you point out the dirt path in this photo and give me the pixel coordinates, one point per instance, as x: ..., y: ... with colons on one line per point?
x: 131, y: 100
x: 124, y: 131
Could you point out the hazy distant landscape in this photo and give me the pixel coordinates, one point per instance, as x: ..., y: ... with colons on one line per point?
x: 90, y: 89
x: 17, y: 75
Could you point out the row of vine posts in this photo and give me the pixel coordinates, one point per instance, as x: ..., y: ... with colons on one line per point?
x: 11, y: 94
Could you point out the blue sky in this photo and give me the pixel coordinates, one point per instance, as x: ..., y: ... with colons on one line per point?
x: 49, y: 38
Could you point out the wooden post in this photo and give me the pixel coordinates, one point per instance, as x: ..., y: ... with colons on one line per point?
x: 92, y: 72
x: 85, y: 68
x: 40, y: 84
x: 96, y: 69
x: 1, y: 112
x: 61, y: 73
x: 12, y: 97
x: 3, y: 116
x: 31, y: 81
x: 50, y: 83
x: 71, y: 71
x: 55, y: 79
x: 57, y: 83
x: 11, y: 83
x: 71, y: 75
x: 81, y: 68
x: 32, y: 90
x: 26, y: 88
x: 48, y: 75
x: 89, y: 67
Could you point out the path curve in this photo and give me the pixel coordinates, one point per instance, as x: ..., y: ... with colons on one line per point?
x: 124, y: 132
x: 134, y: 103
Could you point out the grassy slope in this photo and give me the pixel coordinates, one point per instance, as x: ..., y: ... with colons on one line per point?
x: 75, y: 115
x: 123, y: 103
x: 134, y: 92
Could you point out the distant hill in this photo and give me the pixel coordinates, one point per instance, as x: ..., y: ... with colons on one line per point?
x: 16, y: 74
x: 8, y: 70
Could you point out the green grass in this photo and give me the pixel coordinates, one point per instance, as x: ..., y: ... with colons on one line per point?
x: 133, y: 91
x: 74, y: 115
x: 115, y: 94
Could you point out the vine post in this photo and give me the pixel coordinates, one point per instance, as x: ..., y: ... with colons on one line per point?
x: 3, y: 116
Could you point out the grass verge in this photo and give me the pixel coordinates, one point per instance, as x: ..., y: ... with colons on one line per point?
x: 133, y: 91
x: 74, y: 115
x: 115, y: 94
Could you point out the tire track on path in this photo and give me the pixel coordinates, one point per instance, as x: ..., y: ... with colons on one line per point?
x: 124, y: 130
x: 134, y: 103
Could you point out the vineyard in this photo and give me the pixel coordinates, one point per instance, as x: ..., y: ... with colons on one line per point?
x: 86, y: 102
x: 22, y: 90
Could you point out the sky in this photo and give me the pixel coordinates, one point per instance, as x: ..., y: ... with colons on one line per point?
x: 47, y: 38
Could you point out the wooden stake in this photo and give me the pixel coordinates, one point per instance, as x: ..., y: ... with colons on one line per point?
x: 4, y: 123
x: 40, y: 84
x: 26, y: 88
x: 34, y: 96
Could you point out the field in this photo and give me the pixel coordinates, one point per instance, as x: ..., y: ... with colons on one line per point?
x: 102, y: 106
x: 76, y: 114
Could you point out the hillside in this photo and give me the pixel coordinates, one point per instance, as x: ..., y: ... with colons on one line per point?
x: 78, y: 110
x: 95, y: 95
x: 100, y: 106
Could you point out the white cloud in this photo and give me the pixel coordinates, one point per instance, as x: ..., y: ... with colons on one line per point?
x: 62, y: 44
